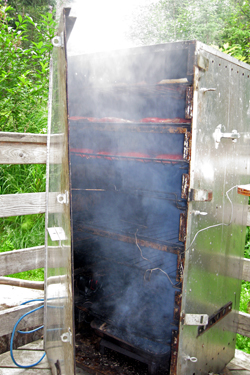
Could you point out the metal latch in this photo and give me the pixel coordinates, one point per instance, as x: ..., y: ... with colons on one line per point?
x: 196, y: 319
x: 218, y: 134
x: 57, y: 234
x: 200, y: 195
x: 67, y: 337
x: 58, y: 41
x: 63, y: 198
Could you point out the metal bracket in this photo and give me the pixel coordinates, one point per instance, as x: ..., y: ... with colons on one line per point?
x: 200, y: 195
x: 217, y: 135
x: 196, y: 319
x: 67, y: 337
x: 63, y: 198
x: 216, y: 317
x: 58, y: 41
x: 202, y: 61
x: 57, y: 234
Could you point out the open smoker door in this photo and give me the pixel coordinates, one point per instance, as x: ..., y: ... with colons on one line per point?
x: 216, y: 214
x: 59, y: 327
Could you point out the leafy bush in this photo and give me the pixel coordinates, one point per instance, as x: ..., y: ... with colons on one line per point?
x: 24, y: 72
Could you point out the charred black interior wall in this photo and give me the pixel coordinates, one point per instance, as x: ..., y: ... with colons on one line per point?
x: 128, y: 155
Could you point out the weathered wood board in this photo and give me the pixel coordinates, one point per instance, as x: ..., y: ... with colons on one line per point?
x: 240, y: 364
x: 22, y: 204
x: 22, y: 260
x: 9, y: 317
x: 24, y: 357
x: 22, y: 371
x: 22, y: 283
x: 28, y: 204
x: 246, y: 270
x: 22, y: 153
x: 244, y: 324
x: 27, y: 148
x: 35, y: 345
x: 23, y: 148
x: 13, y: 137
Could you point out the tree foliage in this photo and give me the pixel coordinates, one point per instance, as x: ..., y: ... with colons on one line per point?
x: 221, y: 23
x: 24, y: 67
x: 172, y: 20
x: 236, y: 35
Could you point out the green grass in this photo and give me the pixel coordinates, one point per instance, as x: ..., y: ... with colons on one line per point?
x: 19, y: 232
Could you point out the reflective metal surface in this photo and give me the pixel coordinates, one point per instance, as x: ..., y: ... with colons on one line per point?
x: 59, y: 342
x: 108, y: 166
x: 215, y: 241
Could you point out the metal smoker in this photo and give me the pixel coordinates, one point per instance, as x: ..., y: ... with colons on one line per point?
x: 148, y: 167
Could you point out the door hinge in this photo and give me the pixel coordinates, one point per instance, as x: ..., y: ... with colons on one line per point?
x: 183, y: 227
x: 200, y: 195
x: 185, y: 186
x: 189, y: 103
x: 187, y: 147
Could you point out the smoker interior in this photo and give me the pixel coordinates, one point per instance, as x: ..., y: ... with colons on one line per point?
x: 128, y: 155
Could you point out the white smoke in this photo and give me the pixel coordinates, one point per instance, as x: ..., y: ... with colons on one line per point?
x: 102, y: 25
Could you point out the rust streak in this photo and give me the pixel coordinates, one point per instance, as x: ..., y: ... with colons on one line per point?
x: 177, y: 309
x: 174, y: 352
x: 123, y: 238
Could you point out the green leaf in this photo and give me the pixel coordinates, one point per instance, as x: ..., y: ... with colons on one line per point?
x: 40, y: 44
x: 20, y: 18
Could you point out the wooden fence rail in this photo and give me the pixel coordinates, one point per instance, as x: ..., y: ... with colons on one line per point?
x: 20, y: 148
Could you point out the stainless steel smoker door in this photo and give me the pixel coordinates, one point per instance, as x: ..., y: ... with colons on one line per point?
x: 216, y: 214
x: 59, y: 337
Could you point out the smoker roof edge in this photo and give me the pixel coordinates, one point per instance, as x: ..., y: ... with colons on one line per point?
x: 216, y: 52
x: 136, y: 49
x: 162, y: 46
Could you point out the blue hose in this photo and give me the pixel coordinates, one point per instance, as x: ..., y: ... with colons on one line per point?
x: 13, y: 334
